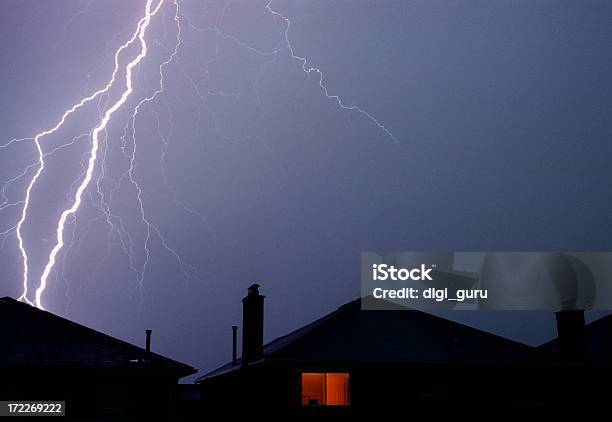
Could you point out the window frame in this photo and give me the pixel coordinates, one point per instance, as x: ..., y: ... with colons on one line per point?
x: 325, y: 373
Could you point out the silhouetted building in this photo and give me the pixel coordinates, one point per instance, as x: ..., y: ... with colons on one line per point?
x: 586, y: 351
x: 388, y: 361
x: 595, y: 337
x: 46, y: 357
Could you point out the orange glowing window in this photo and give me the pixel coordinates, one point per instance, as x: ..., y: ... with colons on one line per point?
x: 325, y: 389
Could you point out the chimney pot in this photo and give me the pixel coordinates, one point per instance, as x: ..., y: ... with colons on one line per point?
x: 234, y: 345
x: 253, y: 289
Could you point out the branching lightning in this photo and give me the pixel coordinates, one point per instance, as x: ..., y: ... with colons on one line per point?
x: 99, y: 138
x: 139, y: 33
x: 309, y: 69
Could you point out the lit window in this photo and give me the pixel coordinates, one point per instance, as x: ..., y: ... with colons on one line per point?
x: 313, y: 389
x: 325, y: 389
x: 337, y: 390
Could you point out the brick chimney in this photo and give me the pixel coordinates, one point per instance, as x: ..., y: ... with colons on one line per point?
x: 571, y: 331
x: 252, y: 325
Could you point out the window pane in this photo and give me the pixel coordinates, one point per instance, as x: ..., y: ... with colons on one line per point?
x: 313, y: 389
x: 337, y: 391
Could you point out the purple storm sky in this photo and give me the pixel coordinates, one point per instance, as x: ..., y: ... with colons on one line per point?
x: 501, y: 140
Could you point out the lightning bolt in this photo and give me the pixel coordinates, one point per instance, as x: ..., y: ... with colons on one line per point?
x: 320, y: 77
x: 285, y: 45
x: 143, y: 23
x: 97, y: 151
x: 150, y: 227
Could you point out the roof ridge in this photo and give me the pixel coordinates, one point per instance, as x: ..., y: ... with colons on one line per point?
x: 301, y: 332
x: 83, y: 328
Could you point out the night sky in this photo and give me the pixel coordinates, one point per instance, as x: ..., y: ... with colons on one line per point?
x: 247, y: 172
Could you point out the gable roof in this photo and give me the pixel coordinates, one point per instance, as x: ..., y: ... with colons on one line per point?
x: 398, y: 335
x: 599, y: 341
x: 33, y: 337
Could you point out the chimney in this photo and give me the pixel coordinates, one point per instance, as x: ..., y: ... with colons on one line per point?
x: 571, y: 331
x: 148, y: 346
x: 252, y: 325
x: 234, y: 345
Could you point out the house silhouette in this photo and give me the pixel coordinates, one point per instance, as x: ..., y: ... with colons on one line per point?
x: 393, y: 362
x: 596, y: 342
x: 46, y: 357
x: 349, y: 363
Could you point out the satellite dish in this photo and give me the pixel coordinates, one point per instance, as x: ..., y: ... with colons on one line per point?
x: 531, y: 280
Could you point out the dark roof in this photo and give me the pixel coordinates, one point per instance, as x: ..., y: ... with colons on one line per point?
x: 31, y: 336
x: 599, y: 341
x: 349, y: 335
